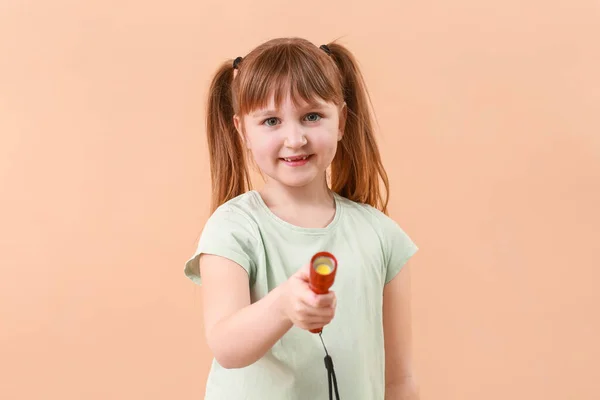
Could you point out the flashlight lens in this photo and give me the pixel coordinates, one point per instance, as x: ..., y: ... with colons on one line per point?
x: 323, y: 269
x: 323, y: 265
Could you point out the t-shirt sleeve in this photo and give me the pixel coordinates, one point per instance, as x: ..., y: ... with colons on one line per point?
x: 398, y: 247
x: 227, y: 233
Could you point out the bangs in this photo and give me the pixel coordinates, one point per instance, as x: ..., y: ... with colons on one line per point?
x: 305, y: 74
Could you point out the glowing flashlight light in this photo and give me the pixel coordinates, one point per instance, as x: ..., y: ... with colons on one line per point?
x: 322, y: 274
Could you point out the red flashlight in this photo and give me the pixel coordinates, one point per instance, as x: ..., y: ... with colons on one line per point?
x: 323, y: 267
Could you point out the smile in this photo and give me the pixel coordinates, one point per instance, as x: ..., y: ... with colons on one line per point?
x: 296, y: 161
x: 298, y: 158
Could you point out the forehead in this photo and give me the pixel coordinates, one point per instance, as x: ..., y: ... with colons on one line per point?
x: 289, y: 102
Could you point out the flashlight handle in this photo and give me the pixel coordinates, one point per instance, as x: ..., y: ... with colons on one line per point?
x: 320, y: 284
x: 317, y: 291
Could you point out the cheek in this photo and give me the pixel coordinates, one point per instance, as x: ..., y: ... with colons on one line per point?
x: 325, y: 140
x: 263, y: 146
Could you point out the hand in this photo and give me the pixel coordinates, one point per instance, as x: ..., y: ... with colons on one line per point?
x: 303, y: 307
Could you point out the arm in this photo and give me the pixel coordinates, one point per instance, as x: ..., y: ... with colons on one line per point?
x: 400, y: 383
x: 238, y: 333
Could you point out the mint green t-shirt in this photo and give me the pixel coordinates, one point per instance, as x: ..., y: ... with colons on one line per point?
x: 370, y: 249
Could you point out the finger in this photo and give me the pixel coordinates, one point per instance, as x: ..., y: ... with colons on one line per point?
x: 306, y: 312
x: 311, y: 313
x: 324, y: 318
x: 329, y: 299
x: 306, y: 296
x: 324, y: 300
x: 318, y: 325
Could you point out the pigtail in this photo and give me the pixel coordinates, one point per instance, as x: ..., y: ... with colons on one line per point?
x: 357, y: 171
x: 229, y: 173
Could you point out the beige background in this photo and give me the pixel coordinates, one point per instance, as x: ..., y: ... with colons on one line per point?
x: 490, y: 130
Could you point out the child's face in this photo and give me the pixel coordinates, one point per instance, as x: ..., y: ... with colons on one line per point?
x: 293, y: 145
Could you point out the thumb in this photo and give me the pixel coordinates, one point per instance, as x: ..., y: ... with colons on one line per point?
x: 304, y: 272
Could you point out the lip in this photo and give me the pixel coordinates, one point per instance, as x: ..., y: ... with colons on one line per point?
x: 296, y: 161
x: 299, y: 157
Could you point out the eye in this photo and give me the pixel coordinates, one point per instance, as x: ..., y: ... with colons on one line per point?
x: 270, y: 121
x: 313, y: 117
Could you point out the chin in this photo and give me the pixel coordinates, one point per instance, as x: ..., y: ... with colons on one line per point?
x: 294, y: 180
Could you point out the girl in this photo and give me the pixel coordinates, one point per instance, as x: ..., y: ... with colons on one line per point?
x: 300, y: 111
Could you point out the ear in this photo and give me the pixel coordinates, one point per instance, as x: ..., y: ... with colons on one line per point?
x: 343, y: 119
x: 239, y: 127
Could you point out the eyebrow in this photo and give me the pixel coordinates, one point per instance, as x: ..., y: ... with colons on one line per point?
x: 311, y: 106
x: 263, y: 113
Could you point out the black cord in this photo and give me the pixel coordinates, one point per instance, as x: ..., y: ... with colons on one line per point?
x: 330, y: 371
x: 322, y: 342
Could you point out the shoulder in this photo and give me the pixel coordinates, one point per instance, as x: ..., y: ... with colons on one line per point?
x: 397, y: 246
x: 367, y: 214
x: 239, y: 212
x: 232, y: 232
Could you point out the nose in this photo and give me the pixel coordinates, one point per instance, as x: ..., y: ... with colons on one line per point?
x: 295, y: 137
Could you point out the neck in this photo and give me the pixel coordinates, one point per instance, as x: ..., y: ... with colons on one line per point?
x: 315, y: 193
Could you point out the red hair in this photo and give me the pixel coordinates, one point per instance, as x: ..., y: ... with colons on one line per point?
x: 298, y: 67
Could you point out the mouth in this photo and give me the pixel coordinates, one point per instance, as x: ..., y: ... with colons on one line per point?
x: 296, y: 158
x: 296, y: 161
